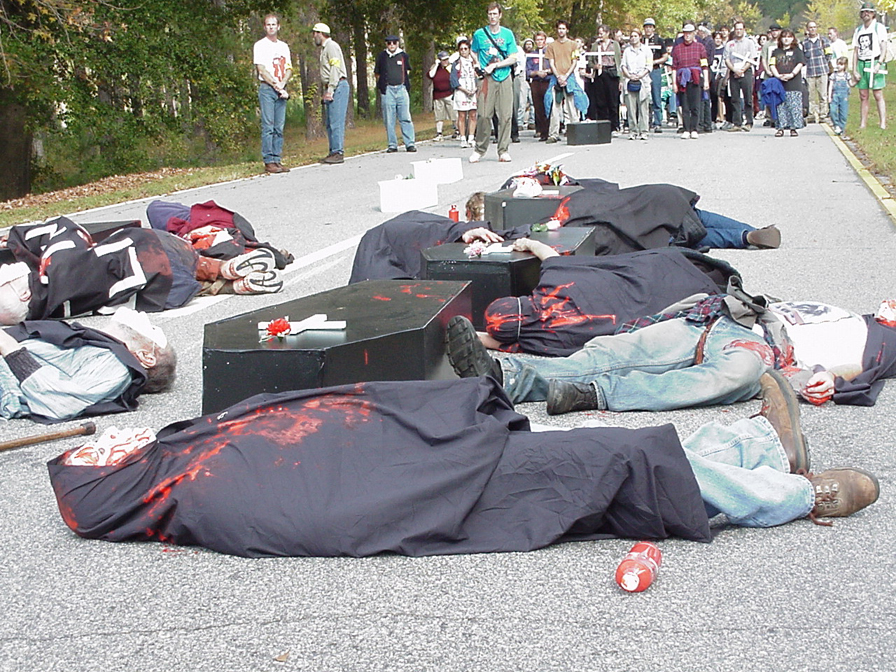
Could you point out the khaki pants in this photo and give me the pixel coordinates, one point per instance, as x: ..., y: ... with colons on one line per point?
x: 494, y: 98
x: 818, y: 96
x: 563, y: 104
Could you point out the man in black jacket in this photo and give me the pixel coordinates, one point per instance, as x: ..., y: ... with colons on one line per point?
x: 393, y: 80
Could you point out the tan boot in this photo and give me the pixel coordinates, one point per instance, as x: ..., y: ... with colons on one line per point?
x: 842, y: 492
x: 781, y: 408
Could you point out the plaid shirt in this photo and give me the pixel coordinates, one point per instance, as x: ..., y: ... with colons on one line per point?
x: 690, y: 57
x: 817, y: 54
x: 707, y: 311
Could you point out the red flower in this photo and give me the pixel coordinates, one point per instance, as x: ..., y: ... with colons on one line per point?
x: 279, y: 327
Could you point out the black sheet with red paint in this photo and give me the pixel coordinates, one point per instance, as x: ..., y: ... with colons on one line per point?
x: 416, y: 468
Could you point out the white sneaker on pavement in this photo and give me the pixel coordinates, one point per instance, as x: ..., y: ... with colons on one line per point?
x: 505, y: 158
x: 475, y: 157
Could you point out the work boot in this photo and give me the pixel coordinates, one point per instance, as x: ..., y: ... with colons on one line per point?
x: 842, y: 492
x: 333, y: 158
x: 282, y: 168
x: 564, y: 397
x: 781, y: 408
x: 766, y: 238
x: 466, y: 353
x: 272, y: 168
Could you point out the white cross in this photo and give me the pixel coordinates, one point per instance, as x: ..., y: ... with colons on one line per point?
x: 317, y: 322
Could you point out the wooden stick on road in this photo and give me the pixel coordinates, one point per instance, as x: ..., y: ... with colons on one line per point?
x: 86, y: 428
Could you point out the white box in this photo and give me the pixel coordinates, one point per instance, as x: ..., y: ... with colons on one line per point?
x: 440, y: 171
x: 404, y: 195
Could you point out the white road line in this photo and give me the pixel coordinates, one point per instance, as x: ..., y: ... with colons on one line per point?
x: 555, y: 159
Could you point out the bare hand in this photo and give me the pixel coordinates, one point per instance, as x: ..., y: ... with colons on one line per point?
x: 819, y: 388
x: 483, y: 234
x: 328, y: 97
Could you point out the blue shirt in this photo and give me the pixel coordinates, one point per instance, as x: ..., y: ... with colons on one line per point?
x: 68, y: 381
x: 485, y: 50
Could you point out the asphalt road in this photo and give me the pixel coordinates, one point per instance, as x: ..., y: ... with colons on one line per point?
x: 798, y: 597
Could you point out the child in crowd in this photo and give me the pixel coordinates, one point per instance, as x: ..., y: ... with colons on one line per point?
x: 838, y: 93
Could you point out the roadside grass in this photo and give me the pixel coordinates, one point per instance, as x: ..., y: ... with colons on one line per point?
x: 367, y: 136
x: 879, y: 145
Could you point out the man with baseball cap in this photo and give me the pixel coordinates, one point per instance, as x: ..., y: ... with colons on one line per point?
x: 691, y: 78
x: 335, y: 95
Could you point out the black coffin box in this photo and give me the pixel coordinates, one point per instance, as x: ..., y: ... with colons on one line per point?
x: 99, y: 231
x: 504, y: 211
x: 505, y: 274
x: 588, y: 133
x: 395, y: 331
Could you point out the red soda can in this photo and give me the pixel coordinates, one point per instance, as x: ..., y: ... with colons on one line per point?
x: 453, y: 214
x: 638, y: 569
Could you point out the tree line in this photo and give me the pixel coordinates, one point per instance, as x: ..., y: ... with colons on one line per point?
x: 126, y: 84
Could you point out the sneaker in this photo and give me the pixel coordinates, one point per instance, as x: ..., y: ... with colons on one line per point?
x: 257, y: 260
x: 657, y: 129
x: 515, y: 140
x: 269, y: 282
x: 439, y: 137
x: 552, y: 140
x: 633, y: 136
x: 335, y: 157
x: 475, y: 157
x: 733, y: 129
x: 748, y: 127
x: 685, y: 135
x: 412, y: 148
x: 643, y: 136
x: 466, y: 353
x: 842, y: 492
x: 463, y: 144
x: 766, y: 238
x: 564, y: 397
x: 391, y: 150
x: 694, y: 135
x: 505, y: 158
x: 781, y: 408
x: 838, y: 130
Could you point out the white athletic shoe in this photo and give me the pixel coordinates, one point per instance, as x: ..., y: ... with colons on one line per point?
x: 685, y: 136
x: 694, y: 135
x: 475, y: 157
x: 505, y: 158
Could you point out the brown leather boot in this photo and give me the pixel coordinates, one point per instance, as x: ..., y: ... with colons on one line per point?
x: 781, y: 408
x: 842, y: 492
x: 766, y: 238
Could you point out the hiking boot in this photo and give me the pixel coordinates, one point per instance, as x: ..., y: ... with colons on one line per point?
x: 564, y: 397
x: 466, y: 353
x: 259, y: 260
x: 333, y: 158
x: 766, y: 238
x: 842, y: 492
x: 283, y: 169
x: 269, y: 282
x: 781, y: 408
x: 272, y: 168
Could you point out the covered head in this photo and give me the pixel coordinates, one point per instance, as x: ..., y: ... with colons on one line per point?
x: 506, y: 317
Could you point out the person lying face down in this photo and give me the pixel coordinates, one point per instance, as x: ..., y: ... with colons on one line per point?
x: 54, y: 371
x: 364, y: 469
x: 61, y: 272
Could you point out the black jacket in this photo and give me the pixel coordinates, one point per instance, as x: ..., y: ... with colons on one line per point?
x: 392, y: 70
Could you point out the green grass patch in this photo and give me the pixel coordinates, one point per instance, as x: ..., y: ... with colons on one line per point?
x: 878, y: 144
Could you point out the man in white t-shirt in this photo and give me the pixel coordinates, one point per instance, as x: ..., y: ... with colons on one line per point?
x: 274, y: 67
x: 868, y: 62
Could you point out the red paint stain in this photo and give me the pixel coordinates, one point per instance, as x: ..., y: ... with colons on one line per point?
x: 377, y: 297
x: 366, y: 358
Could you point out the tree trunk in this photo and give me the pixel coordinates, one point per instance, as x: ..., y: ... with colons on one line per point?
x: 343, y: 40
x: 309, y: 70
x: 429, y: 57
x: 361, y: 56
x: 15, y: 148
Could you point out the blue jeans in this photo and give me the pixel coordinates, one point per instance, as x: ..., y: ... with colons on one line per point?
x: 397, y: 103
x: 840, y: 109
x: 722, y: 231
x: 743, y: 472
x: 336, y: 110
x: 656, y: 95
x: 652, y: 369
x: 273, y: 118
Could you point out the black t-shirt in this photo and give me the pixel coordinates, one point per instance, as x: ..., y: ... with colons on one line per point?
x: 785, y: 61
x: 657, y: 47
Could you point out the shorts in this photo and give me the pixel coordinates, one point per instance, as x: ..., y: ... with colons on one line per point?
x: 867, y: 81
x: 444, y: 109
